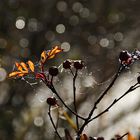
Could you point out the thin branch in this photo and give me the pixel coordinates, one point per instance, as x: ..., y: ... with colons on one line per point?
x: 74, y: 97
x: 115, y: 101
x: 120, y: 69
x: 51, y: 119
x: 122, y: 136
x: 55, y: 92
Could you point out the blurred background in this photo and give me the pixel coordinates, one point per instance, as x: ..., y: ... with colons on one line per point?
x: 92, y: 30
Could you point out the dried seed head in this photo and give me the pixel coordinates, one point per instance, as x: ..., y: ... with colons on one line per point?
x: 67, y: 64
x: 78, y: 64
x: 51, y: 101
x: 53, y: 71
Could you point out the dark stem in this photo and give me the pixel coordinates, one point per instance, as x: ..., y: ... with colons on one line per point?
x: 121, y: 67
x: 122, y: 136
x: 54, y: 91
x: 115, y: 101
x: 51, y: 119
x: 74, y: 97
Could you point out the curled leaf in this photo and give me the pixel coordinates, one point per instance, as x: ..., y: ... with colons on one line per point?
x: 45, y: 55
x: 31, y: 65
x: 24, y: 66
x: 19, y: 67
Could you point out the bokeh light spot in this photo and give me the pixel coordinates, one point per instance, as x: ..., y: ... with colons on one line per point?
x: 61, y: 6
x: 65, y: 46
x: 118, y: 36
x: 20, y: 23
x: 3, y: 74
x: 38, y: 121
x: 104, y: 42
x: 60, y: 28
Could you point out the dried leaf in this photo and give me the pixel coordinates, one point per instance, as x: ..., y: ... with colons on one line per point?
x: 45, y: 55
x: 69, y: 120
x: 24, y: 66
x: 19, y: 67
x: 53, y: 52
x: 17, y: 73
x: 31, y: 65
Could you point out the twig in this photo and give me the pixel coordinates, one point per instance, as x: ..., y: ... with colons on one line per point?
x: 55, y: 92
x: 122, y: 136
x: 74, y: 97
x: 120, y: 69
x: 115, y: 101
x: 51, y: 119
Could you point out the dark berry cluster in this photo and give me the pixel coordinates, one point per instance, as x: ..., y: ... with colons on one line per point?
x: 77, y: 64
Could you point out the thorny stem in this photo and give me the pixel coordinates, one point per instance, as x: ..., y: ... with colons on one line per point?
x: 120, y: 69
x: 115, y: 101
x: 122, y: 136
x: 74, y: 97
x: 51, y: 119
x: 54, y: 91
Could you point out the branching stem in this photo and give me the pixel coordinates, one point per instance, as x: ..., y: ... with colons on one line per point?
x: 74, y: 97
x: 51, y: 119
x: 120, y: 69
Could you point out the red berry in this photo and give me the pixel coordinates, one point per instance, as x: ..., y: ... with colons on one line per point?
x: 52, y: 101
x: 67, y: 64
x: 53, y: 71
x: 78, y: 64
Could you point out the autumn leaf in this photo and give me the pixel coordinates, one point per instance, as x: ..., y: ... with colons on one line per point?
x: 45, y: 55
x: 31, y: 65
x: 24, y: 66
x: 22, y: 69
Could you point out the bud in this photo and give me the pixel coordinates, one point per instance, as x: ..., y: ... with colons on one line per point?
x: 52, y: 101
x: 53, y: 71
x: 78, y: 64
x: 67, y: 64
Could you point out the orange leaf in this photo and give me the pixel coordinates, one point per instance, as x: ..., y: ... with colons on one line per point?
x: 131, y: 137
x: 43, y: 56
x: 31, y: 65
x: 53, y: 52
x: 50, y: 54
x: 24, y: 66
x: 13, y: 74
x: 19, y: 67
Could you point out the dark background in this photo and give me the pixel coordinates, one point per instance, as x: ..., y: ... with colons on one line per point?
x: 96, y: 30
